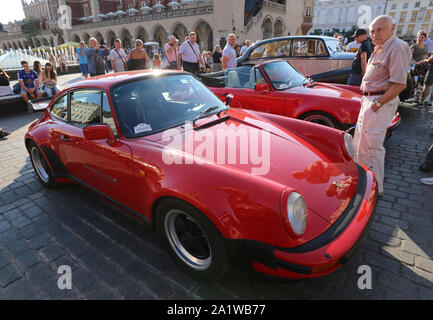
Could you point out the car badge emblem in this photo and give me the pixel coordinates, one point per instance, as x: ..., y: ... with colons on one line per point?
x: 338, y: 185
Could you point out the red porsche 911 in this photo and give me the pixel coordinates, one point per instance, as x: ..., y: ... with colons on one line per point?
x: 278, y: 88
x: 213, y: 181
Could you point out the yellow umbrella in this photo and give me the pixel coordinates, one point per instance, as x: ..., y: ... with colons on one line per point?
x: 67, y: 45
x: 42, y: 48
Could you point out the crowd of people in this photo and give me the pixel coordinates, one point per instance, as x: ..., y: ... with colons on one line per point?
x: 96, y: 59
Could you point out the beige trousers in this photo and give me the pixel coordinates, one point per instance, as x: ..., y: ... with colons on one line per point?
x: 370, y: 134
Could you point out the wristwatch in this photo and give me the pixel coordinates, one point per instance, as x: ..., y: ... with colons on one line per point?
x: 378, y: 104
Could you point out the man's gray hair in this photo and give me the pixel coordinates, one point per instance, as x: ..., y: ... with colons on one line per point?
x: 389, y: 19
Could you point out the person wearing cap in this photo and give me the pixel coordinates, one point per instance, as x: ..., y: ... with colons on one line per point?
x: 385, y: 78
x: 359, y: 64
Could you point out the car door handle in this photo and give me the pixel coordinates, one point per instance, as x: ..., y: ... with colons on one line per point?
x: 64, y: 138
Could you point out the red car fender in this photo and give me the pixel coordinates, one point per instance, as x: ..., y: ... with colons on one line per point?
x: 229, y: 198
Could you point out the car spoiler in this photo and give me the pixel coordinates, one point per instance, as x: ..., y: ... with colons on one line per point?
x: 38, y: 104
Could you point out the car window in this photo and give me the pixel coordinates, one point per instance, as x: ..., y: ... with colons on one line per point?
x: 259, y: 76
x: 334, y: 46
x: 242, y: 77
x: 276, y: 49
x: 86, y: 107
x: 107, y: 115
x: 151, y: 105
x: 309, y: 48
x: 60, y: 108
x: 282, y: 75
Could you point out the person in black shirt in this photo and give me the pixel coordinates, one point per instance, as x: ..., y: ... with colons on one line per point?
x: 360, y: 61
x: 216, y: 58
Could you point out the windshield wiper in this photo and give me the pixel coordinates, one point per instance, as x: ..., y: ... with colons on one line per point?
x: 205, y: 113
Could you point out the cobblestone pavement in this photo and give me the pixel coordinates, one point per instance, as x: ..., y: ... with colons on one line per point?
x: 113, y: 256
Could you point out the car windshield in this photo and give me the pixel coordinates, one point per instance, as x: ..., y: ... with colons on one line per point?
x: 151, y: 105
x: 334, y: 45
x: 283, y: 76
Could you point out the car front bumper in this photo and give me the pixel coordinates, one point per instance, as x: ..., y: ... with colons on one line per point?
x: 331, y: 249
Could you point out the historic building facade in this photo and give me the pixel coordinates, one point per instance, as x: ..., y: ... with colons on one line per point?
x: 411, y: 16
x: 153, y: 20
x: 343, y: 14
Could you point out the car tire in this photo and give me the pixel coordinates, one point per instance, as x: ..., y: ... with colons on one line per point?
x: 178, y: 223
x: 322, y: 118
x: 41, y: 167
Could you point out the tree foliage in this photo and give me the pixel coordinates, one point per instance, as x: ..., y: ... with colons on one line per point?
x: 31, y: 28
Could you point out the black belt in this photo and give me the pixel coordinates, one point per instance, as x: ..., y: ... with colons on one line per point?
x: 377, y: 93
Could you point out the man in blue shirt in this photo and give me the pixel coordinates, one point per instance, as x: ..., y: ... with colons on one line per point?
x: 29, y: 83
x: 82, y: 59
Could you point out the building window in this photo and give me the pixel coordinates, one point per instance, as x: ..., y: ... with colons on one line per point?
x: 417, y: 4
x: 410, y: 30
x: 428, y: 15
x: 421, y: 15
x: 405, y: 5
x: 394, y: 6
x: 413, y: 17
x: 431, y: 3
x: 403, y: 17
x: 399, y: 30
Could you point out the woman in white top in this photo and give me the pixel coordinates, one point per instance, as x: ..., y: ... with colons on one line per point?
x: 49, y: 79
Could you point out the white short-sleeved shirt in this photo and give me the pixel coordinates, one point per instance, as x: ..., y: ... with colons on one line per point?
x: 188, y: 55
x: 230, y: 52
x: 116, y: 58
x: 353, y: 46
x: 243, y: 50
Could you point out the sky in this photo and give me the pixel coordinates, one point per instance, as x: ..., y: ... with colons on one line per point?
x: 11, y: 10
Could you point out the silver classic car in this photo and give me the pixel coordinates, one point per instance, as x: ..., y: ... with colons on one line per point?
x: 319, y: 57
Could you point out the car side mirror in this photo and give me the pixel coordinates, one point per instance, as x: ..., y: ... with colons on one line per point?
x: 99, y: 132
x: 262, y: 87
x: 229, y: 99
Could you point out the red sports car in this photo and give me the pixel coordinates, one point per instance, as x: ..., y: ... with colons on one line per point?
x: 276, y: 87
x: 215, y: 182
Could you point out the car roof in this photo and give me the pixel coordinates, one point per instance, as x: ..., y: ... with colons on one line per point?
x: 262, y: 42
x: 108, y: 80
x: 294, y: 37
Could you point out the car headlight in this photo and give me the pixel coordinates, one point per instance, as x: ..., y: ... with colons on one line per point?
x: 297, y: 213
x: 348, y: 145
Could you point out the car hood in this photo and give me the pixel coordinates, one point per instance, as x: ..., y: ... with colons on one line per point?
x: 266, y: 150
